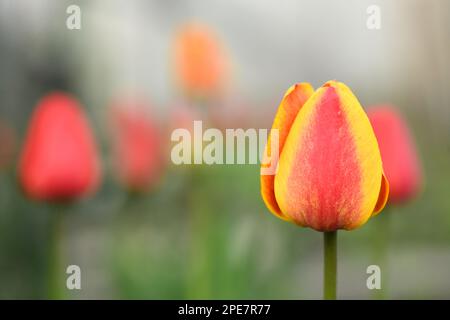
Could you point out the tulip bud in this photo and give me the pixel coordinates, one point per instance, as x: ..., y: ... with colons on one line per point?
x: 330, y: 172
x: 59, y: 158
x: 183, y: 115
x: 200, y: 63
x: 137, y: 146
x: 400, y: 160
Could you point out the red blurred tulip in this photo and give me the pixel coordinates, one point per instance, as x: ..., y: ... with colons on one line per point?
x: 59, y: 159
x: 137, y: 146
x: 400, y: 160
x: 200, y: 62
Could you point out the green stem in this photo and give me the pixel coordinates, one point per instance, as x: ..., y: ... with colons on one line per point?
x: 55, y: 268
x: 199, y: 282
x: 330, y: 265
x: 381, y: 241
x: 199, y: 277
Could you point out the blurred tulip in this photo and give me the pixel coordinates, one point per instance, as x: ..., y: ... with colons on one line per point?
x: 7, y: 144
x: 137, y: 145
x: 400, y: 160
x: 200, y: 61
x: 59, y: 159
x: 330, y: 172
x: 231, y: 113
x: 183, y: 115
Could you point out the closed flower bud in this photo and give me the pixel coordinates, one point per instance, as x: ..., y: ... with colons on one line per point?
x: 398, y: 151
x: 59, y: 159
x: 330, y: 173
x: 137, y: 146
x: 200, y: 62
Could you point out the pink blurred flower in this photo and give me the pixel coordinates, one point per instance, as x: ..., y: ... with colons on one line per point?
x: 398, y: 152
x: 137, y: 145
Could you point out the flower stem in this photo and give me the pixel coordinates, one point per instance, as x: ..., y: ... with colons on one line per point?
x: 329, y: 270
x: 200, y: 274
x: 55, y: 268
x: 381, y: 243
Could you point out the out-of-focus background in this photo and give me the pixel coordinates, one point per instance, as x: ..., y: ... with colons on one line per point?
x: 203, y: 231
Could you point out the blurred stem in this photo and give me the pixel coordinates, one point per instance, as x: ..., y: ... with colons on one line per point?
x: 381, y: 243
x: 199, y: 276
x: 55, y: 267
x: 329, y: 270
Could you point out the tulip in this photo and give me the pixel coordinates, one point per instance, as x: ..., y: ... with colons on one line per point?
x: 59, y: 159
x: 402, y: 168
x: 398, y: 151
x: 329, y: 172
x: 231, y: 113
x: 200, y: 62
x: 59, y: 163
x: 137, y: 146
x: 182, y: 116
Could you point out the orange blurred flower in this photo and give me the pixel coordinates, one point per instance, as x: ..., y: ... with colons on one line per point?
x: 200, y: 62
x: 137, y: 146
x: 400, y: 160
x: 59, y: 159
x: 330, y: 172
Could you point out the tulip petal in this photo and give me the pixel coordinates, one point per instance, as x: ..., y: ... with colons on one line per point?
x: 290, y: 105
x: 383, y: 196
x: 329, y: 169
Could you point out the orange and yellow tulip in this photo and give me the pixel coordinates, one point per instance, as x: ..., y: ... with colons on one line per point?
x: 329, y: 173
